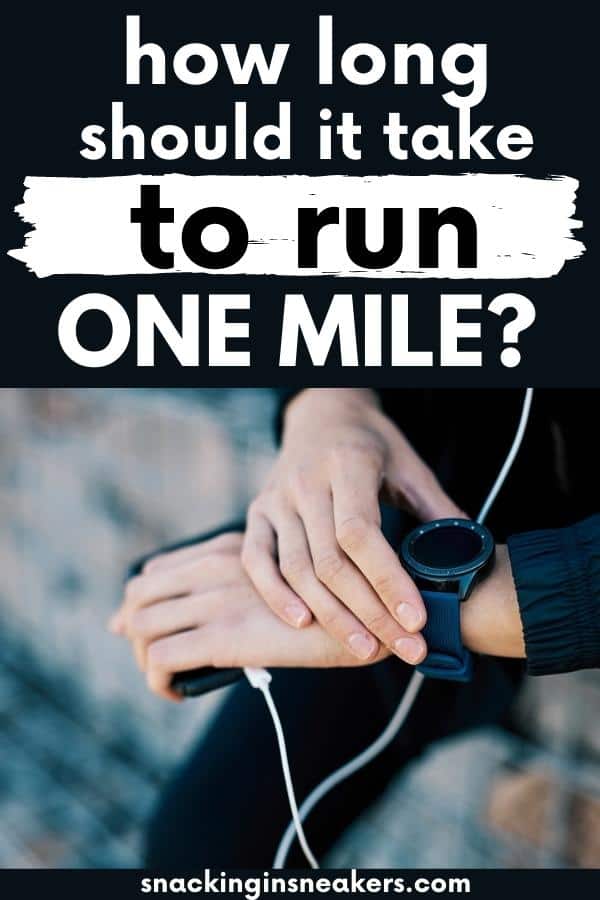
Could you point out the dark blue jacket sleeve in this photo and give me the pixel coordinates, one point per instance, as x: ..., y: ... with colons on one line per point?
x: 557, y: 575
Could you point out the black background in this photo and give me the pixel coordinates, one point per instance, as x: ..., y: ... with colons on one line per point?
x: 64, y: 64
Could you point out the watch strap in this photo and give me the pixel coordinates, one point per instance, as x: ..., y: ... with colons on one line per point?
x: 447, y: 657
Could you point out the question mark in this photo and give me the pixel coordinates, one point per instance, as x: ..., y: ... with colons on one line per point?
x: 525, y: 316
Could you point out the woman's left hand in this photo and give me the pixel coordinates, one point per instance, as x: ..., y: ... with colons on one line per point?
x: 490, y: 619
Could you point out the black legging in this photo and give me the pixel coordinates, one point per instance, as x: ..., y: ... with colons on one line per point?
x: 227, y: 805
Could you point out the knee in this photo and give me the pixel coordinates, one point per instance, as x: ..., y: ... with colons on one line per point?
x: 181, y: 833
x: 159, y: 842
x: 170, y: 840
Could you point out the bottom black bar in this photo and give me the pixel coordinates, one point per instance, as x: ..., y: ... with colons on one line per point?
x: 503, y: 884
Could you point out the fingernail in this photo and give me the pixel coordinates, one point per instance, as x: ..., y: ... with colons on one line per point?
x: 296, y: 615
x: 409, y: 649
x: 409, y: 617
x: 362, y: 645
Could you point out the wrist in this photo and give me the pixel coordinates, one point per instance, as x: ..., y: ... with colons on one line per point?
x: 331, y: 403
x: 489, y: 619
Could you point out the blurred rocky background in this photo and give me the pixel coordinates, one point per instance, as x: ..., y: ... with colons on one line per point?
x: 90, y: 479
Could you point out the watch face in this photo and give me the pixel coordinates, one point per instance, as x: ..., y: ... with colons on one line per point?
x: 447, y: 548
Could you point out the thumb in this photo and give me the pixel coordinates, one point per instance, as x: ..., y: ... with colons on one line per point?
x: 411, y: 484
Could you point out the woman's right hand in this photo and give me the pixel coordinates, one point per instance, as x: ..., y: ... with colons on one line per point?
x: 314, y: 545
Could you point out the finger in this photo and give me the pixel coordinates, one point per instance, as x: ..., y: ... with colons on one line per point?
x: 232, y: 540
x: 259, y: 561
x: 297, y: 567
x: 335, y: 570
x: 202, y: 574
x: 115, y: 622
x: 139, y: 653
x: 202, y: 570
x: 159, y: 683
x: 177, y: 653
x: 358, y: 532
x: 183, y: 651
x: 179, y: 614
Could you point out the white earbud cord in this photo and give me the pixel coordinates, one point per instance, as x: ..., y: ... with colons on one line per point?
x: 260, y: 678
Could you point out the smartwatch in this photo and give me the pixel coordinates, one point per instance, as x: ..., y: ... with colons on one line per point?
x: 446, y: 558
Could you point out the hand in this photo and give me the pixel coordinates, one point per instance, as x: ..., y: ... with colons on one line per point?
x: 490, y: 619
x: 314, y: 545
x: 197, y: 607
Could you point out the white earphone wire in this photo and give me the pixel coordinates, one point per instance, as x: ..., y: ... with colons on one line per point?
x: 260, y: 679
x: 257, y: 679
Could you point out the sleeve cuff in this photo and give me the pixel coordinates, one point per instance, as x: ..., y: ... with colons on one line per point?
x: 557, y: 577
